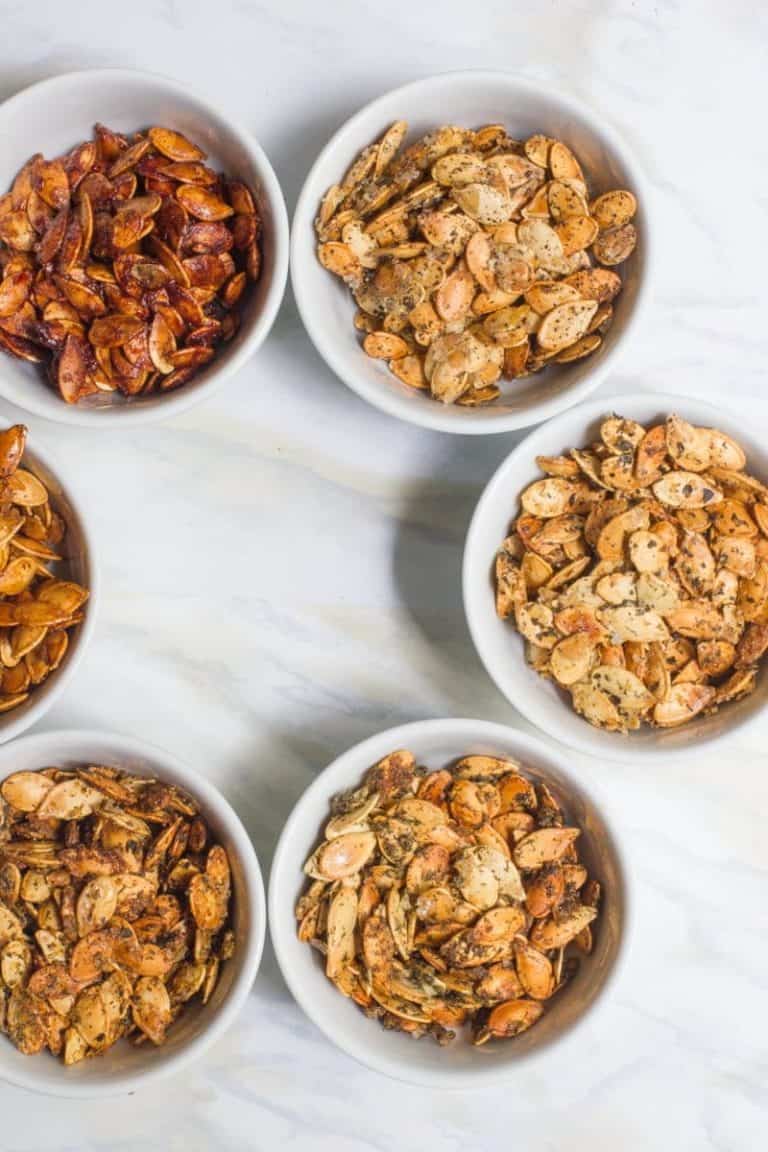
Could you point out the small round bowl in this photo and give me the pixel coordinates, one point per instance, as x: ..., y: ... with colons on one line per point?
x: 468, y: 99
x: 124, y: 1067
x: 79, y: 564
x: 436, y: 743
x: 500, y: 646
x: 53, y: 116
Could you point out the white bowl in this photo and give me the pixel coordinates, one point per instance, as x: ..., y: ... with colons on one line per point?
x: 435, y: 744
x: 125, y: 1068
x: 500, y: 647
x: 56, y: 114
x: 467, y: 99
x: 79, y: 551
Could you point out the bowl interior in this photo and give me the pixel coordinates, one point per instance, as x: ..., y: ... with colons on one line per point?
x: 77, y: 564
x: 435, y: 744
x: 468, y: 100
x: 53, y: 116
x: 120, y: 1068
x: 501, y: 647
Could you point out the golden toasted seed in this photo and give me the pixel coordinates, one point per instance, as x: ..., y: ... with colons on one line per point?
x: 35, y: 888
x: 681, y: 489
x: 627, y: 692
x: 688, y: 446
x: 551, y: 497
x: 96, y: 904
x: 486, y: 204
x: 598, y: 284
x: 577, y: 233
x: 550, y: 933
x: 410, y: 370
x: 89, y: 1017
x: 724, y: 452
x: 615, y: 245
x: 647, y: 552
x: 69, y: 800
x: 26, y: 790
x: 549, y: 294
x: 571, y: 659
x: 682, y: 703
x: 565, y: 324
x: 151, y: 1008
x: 340, y: 930
x: 534, y: 970
x: 543, y: 847
x: 15, y: 963
x: 537, y: 149
x: 596, y: 707
x: 614, y: 209
x: 563, y: 164
x: 339, y: 258
x: 75, y: 1047
x: 510, y: 1019
x: 385, y: 346
x: 343, y: 856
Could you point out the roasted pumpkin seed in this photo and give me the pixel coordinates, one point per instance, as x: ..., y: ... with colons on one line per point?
x: 627, y: 552
x: 425, y: 257
x: 116, y: 248
x: 422, y: 916
x: 106, y: 944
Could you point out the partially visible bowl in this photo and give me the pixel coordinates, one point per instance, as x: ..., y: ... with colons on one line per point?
x: 78, y: 549
x: 125, y: 1067
x: 468, y: 99
x: 500, y: 646
x: 54, y: 115
x: 436, y: 743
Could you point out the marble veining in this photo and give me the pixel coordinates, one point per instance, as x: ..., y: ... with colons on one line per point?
x: 281, y: 576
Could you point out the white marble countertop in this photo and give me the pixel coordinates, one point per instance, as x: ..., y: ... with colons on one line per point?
x: 281, y: 574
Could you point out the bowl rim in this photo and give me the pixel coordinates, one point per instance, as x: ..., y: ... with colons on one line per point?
x: 12, y: 726
x: 212, y: 800
x: 182, y: 399
x: 389, y: 400
x: 586, y: 413
x: 331, y: 778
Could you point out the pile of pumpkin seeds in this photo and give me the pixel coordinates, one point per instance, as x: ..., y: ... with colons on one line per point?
x: 450, y: 897
x: 37, y: 609
x: 474, y: 257
x: 637, y: 573
x: 114, y: 909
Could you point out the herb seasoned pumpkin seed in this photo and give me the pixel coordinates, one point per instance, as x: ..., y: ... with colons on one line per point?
x: 663, y: 595
x: 464, y: 226
x: 102, y: 924
x: 426, y: 915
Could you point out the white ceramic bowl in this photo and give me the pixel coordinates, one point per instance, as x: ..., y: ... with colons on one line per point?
x: 124, y: 1067
x: 467, y: 99
x: 79, y: 552
x: 436, y: 743
x: 501, y: 648
x: 56, y: 114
